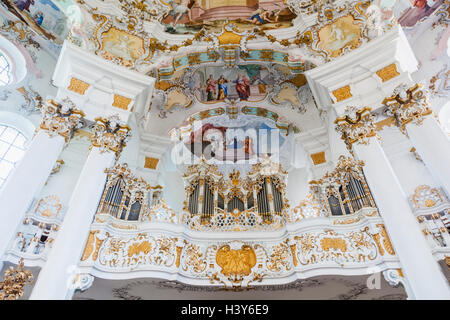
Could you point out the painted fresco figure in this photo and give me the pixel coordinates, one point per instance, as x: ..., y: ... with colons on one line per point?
x: 179, y: 10
x: 262, y: 86
x: 223, y: 88
x: 210, y: 88
x: 38, y: 18
x: 420, y: 10
x: 24, y: 4
x: 261, y: 16
x: 248, y: 146
x: 242, y: 87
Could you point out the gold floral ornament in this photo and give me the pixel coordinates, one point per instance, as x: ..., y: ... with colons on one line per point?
x: 110, y: 134
x: 236, y: 262
x: 11, y: 288
x: 61, y: 118
x: 426, y: 197
x: 357, y: 126
x: 407, y: 105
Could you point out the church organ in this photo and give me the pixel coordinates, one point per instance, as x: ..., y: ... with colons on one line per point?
x: 209, y: 193
x: 344, y: 190
x: 126, y: 197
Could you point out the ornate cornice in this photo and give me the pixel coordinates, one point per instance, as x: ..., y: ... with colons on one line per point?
x: 357, y: 126
x: 61, y: 118
x: 407, y: 105
x: 110, y: 134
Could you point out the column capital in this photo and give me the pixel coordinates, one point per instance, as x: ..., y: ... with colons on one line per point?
x: 357, y: 126
x: 110, y: 134
x: 61, y: 118
x: 407, y: 105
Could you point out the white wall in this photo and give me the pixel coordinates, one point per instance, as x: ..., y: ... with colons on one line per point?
x: 62, y: 183
x: 130, y: 153
x: 410, y: 171
x: 297, y: 185
x: 173, y: 189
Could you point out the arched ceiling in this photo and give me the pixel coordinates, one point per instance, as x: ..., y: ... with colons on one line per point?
x: 153, y: 33
x: 183, y: 42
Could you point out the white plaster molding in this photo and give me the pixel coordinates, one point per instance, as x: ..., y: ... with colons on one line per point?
x: 105, y: 79
x: 358, y: 70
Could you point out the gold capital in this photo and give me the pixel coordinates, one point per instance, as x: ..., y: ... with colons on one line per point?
x: 407, y: 105
x: 110, y: 134
x: 61, y: 118
x: 357, y: 126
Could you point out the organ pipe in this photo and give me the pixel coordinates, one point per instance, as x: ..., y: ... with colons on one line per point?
x: 352, y: 197
x: 257, y: 192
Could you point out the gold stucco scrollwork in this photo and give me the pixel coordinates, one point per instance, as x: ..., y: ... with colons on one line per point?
x: 50, y: 206
x: 382, y: 240
x: 136, y: 248
x: 193, y: 258
x: 376, y: 237
x: 407, y: 105
x: 178, y: 260
x: 92, y: 247
x: 426, y: 197
x: 89, y: 248
x: 328, y: 244
x: 61, y: 118
x: 110, y: 134
x: 236, y: 262
x: 386, y: 241
x: 15, y: 279
x: 293, y: 248
x: 357, y: 126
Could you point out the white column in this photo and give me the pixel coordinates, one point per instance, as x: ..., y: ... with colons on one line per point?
x: 421, y: 269
x: 411, y: 110
x: 433, y: 146
x: 337, y: 146
x: 55, y: 279
x: 26, y: 181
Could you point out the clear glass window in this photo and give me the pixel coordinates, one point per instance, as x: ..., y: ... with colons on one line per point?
x: 12, y: 148
x: 5, y: 77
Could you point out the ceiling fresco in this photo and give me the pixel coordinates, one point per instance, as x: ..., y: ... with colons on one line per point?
x: 190, y: 16
x: 145, y: 35
x: 408, y: 12
x: 262, y: 83
x: 208, y: 54
x: 247, y: 82
x: 43, y: 16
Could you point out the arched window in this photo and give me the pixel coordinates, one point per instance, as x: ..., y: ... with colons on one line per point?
x: 5, y: 77
x: 12, y: 148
